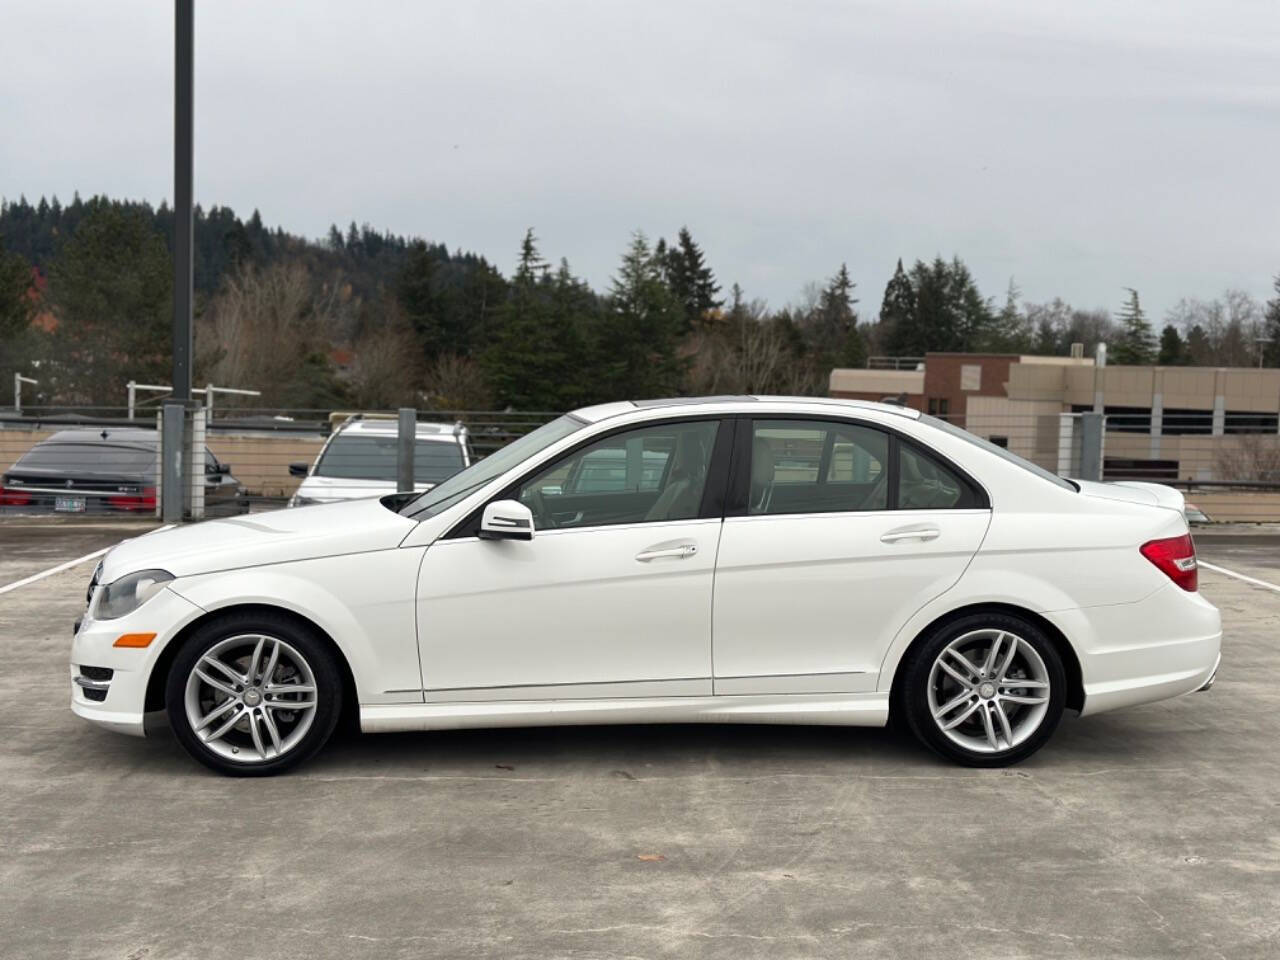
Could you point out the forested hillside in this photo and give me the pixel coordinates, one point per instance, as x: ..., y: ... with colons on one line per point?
x: 376, y: 320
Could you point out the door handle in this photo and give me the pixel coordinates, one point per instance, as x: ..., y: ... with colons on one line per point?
x: 679, y: 552
x: 928, y: 533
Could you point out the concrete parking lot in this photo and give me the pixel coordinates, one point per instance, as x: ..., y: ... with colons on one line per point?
x: 1153, y: 832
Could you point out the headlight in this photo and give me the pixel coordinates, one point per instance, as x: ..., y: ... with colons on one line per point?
x: 127, y: 594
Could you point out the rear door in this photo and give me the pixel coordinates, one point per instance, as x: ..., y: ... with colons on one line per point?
x: 836, y: 532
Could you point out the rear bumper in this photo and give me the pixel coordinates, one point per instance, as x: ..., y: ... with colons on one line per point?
x: 1212, y: 677
x: 1166, y: 645
x: 1148, y: 688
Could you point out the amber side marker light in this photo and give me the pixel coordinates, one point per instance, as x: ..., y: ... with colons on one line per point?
x: 135, y: 640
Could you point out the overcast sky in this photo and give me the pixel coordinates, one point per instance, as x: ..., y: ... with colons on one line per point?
x: 1077, y: 147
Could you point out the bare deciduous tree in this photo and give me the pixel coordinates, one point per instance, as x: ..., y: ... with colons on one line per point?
x: 748, y: 351
x: 269, y: 330
x: 1252, y: 458
x: 1229, y: 328
x: 455, y: 382
x: 386, y: 367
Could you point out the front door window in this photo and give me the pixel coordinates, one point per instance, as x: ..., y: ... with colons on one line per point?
x: 654, y: 474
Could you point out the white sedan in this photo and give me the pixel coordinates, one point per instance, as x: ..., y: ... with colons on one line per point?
x: 741, y: 559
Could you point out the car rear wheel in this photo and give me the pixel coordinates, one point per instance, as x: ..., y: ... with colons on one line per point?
x: 253, y: 695
x: 986, y: 691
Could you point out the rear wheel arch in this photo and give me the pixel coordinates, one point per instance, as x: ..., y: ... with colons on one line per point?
x: 1070, y: 661
x: 155, y: 699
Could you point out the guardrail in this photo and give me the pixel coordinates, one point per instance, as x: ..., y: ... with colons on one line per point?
x: 255, y: 459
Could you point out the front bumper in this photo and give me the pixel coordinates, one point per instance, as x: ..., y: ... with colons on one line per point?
x: 118, y: 702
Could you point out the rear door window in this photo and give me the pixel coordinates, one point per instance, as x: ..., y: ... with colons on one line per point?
x: 926, y: 484
x: 814, y: 466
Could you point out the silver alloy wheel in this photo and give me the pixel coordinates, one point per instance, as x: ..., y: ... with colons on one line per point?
x: 988, y: 690
x: 251, y: 698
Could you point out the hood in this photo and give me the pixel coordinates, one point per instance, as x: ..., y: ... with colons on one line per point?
x: 1134, y: 491
x: 303, y: 533
x: 325, y: 489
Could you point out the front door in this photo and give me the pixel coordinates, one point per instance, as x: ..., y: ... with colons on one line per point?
x: 845, y: 533
x: 611, y: 597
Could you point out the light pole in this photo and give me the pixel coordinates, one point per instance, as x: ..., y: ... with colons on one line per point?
x: 183, y: 163
x: 174, y: 439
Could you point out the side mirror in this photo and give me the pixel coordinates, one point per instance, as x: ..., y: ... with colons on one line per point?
x: 506, y: 520
x: 298, y: 469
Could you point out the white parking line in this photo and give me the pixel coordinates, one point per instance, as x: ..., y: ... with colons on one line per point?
x: 1239, y: 576
x: 52, y: 570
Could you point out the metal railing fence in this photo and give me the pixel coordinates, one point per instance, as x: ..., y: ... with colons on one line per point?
x: 96, y: 461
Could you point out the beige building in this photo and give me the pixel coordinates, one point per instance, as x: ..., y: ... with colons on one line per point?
x: 1189, y: 424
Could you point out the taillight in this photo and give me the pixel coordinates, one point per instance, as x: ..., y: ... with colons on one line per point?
x: 14, y: 497
x: 147, y: 501
x: 1176, y: 558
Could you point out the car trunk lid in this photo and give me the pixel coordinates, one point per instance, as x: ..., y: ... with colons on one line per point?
x: 1134, y: 491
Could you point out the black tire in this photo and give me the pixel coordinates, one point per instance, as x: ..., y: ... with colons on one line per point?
x: 305, y: 642
x: 915, y: 692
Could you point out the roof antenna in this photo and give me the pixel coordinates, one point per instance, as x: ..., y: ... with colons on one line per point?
x: 103, y: 434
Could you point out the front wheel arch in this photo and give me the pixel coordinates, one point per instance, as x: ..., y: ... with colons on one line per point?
x: 155, y: 700
x: 1067, y: 653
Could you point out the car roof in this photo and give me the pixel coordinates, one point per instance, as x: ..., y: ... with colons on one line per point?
x: 390, y: 428
x: 740, y: 404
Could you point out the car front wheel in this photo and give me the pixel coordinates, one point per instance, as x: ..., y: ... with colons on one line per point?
x: 987, y: 690
x: 253, y: 695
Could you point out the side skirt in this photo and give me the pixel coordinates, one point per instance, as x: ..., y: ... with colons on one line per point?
x: 846, y: 709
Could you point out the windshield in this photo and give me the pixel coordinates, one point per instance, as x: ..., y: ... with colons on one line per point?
x: 352, y: 456
x: 491, y: 467
x: 1000, y: 452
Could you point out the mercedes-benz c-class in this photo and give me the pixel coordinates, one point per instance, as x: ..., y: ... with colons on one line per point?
x: 737, y: 559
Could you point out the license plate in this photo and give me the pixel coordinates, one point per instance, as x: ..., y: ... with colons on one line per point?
x: 68, y: 504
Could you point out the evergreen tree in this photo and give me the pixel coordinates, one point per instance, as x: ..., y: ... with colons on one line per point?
x: 15, y: 305
x: 111, y: 288
x: 833, y: 325
x: 1009, y: 331
x: 536, y: 356
x: 949, y: 314
x: 898, y: 314
x: 414, y: 290
x: 1173, y: 352
x: 17, y: 338
x: 640, y: 329
x: 525, y: 363
x: 1136, y: 343
x: 1199, y: 349
x: 690, y: 279
x: 973, y: 315
x: 665, y: 258
x: 576, y: 315
x: 1271, y: 328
